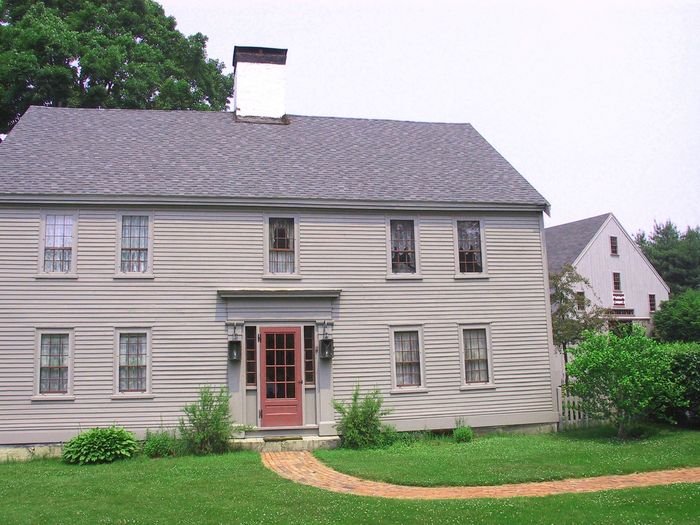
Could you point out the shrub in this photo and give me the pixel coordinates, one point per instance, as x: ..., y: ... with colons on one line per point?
x: 678, y: 319
x: 360, y: 423
x: 207, y: 425
x: 463, y: 434
x: 621, y: 378
x: 685, y: 366
x: 159, y: 444
x: 100, y: 445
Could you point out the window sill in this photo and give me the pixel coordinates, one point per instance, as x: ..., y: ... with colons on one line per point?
x: 59, y: 276
x: 614, y: 255
x: 404, y: 277
x: 421, y: 390
x: 146, y: 276
x: 52, y: 398
x: 468, y: 388
x: 282, y: 276
x: 127, y: 397
x: 475, y: 275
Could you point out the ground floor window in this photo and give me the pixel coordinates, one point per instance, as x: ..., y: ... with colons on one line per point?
x: 407, y: 358
x: 133, y: 361
x: 251, y: 361
x: 309, y: 356
x: 476, y: 356
x: 53, y: 366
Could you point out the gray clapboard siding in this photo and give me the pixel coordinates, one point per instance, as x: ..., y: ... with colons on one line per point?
x: 200, y: 251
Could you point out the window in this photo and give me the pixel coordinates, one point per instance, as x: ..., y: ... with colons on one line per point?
x: 407, y: 359
x: 54, y: 359
x: 476, y: 356
x: 613, y: 245
x: 251, y: 361
x: 617, y: 282
x: 135, y: 237
x: 580, y: 301
x: 652, y: 303
x: 309, y: 356
x: 58, y: 243
x: 282, y: 248
x: 133, y: 362
x: 403, y: 247
x: 469, y: 253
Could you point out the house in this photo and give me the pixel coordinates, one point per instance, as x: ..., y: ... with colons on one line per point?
x: 622, y: 280
x: 290, y: 258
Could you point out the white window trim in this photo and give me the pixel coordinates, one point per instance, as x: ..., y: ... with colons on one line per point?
x: 148, y: 394
x: 395, y: 389
x: 490, y: 384
x: 484, y: 274
x: 118, y: 274
x: 73, y: 274
x: 37, y: 395
x: 266, y: 246
x: 416, y: 232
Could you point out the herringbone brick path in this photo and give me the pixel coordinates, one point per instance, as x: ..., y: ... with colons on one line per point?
x: 304, y: 468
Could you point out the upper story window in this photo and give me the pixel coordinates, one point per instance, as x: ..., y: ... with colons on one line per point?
x: 580, y: 301
x: 617, y: 282
x: 133, y: 361
x: 407, y: 358
x: 135, y: 244
x: 402, y: 246
x: 282, y: 246
x: 54, y: 362
x: 613, y: 245
x: 476, y: 356
x: 652, y: 303
x: 58, y: 243
x: 470, y: 258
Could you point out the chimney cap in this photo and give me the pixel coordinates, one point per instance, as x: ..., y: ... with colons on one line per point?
x: 259, y: 55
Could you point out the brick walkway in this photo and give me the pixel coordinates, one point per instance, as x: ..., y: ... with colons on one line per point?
x: 304, y: 468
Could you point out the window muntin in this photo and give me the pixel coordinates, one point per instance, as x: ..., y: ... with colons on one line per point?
x: 58, y: 243
x: 309, y: 356
x: 134, y: 244
x: 580, y: 301
x: 281, y: 246
x: 476, y: 357
x: 53, y: 363
x: 251, y: 361
x: 469, y: 251
x: 613, y: 245
x: 617, y: 282
x: 403, y: 246
x: 133, y: 362
x: 652, y: 303
x: 407, y: 358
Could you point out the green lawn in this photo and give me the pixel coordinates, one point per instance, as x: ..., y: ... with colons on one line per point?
x: 515, y: 458
x: 236, y: 488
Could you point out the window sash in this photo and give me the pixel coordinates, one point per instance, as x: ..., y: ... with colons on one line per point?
x: 613, y: 245
x: 476, y: 356
x: 58, y: 243
x: 469, y: 247
x: 53, y: 364
x: 309, y: 355
x: 652, y: 302
x: 251, y: 358
x: 133, y: 362
x: 580, y: 301
x: 281, y: 245
x: 407, y: 358
x: 403, y: 246
x: 134, y: 244
x: 617, y: 282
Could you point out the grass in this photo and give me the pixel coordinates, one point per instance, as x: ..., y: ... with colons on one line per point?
x: 236, y: 488
x: 516, y: 458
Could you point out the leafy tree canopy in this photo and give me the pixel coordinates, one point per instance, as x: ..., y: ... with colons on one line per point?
x: 675, y: 255
x: 102, y: 53
x: 678, y: 319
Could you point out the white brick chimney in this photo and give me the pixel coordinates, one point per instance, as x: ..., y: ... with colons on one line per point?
x: 259, y: 82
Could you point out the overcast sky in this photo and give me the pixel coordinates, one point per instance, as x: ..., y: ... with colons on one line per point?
x: 597, y: 104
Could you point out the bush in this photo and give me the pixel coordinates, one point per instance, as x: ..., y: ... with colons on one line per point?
x: 463, y: 434
x: 685, y: 367
x: 100, y: 445
x: 620, y: 379
x: 360, y: 423
x: 678, y: 319
x: 207, y: 425
x: 159, y: 444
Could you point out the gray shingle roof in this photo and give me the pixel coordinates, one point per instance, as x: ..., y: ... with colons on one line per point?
x: 208, y: 154
x: 566, y: 241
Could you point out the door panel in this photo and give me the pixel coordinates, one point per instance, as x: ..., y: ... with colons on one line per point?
x: 281, y: 371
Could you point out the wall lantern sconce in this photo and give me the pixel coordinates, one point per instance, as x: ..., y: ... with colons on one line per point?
x: 325, y: 347
x: 235, y: 344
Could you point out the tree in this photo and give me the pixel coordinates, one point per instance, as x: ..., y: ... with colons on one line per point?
x: 620, y: 379
x: 675, y: 255
x: 109, y: 53
x: 678, y: 319
x: 572, y: 315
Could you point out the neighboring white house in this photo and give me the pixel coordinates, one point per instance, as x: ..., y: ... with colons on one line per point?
x: 621, y: 278
x: 146, y: 253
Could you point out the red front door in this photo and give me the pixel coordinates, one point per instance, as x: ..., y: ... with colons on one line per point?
x: 281, y: 370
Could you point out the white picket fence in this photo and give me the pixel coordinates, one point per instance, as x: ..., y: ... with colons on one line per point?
x: 571, y: 414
